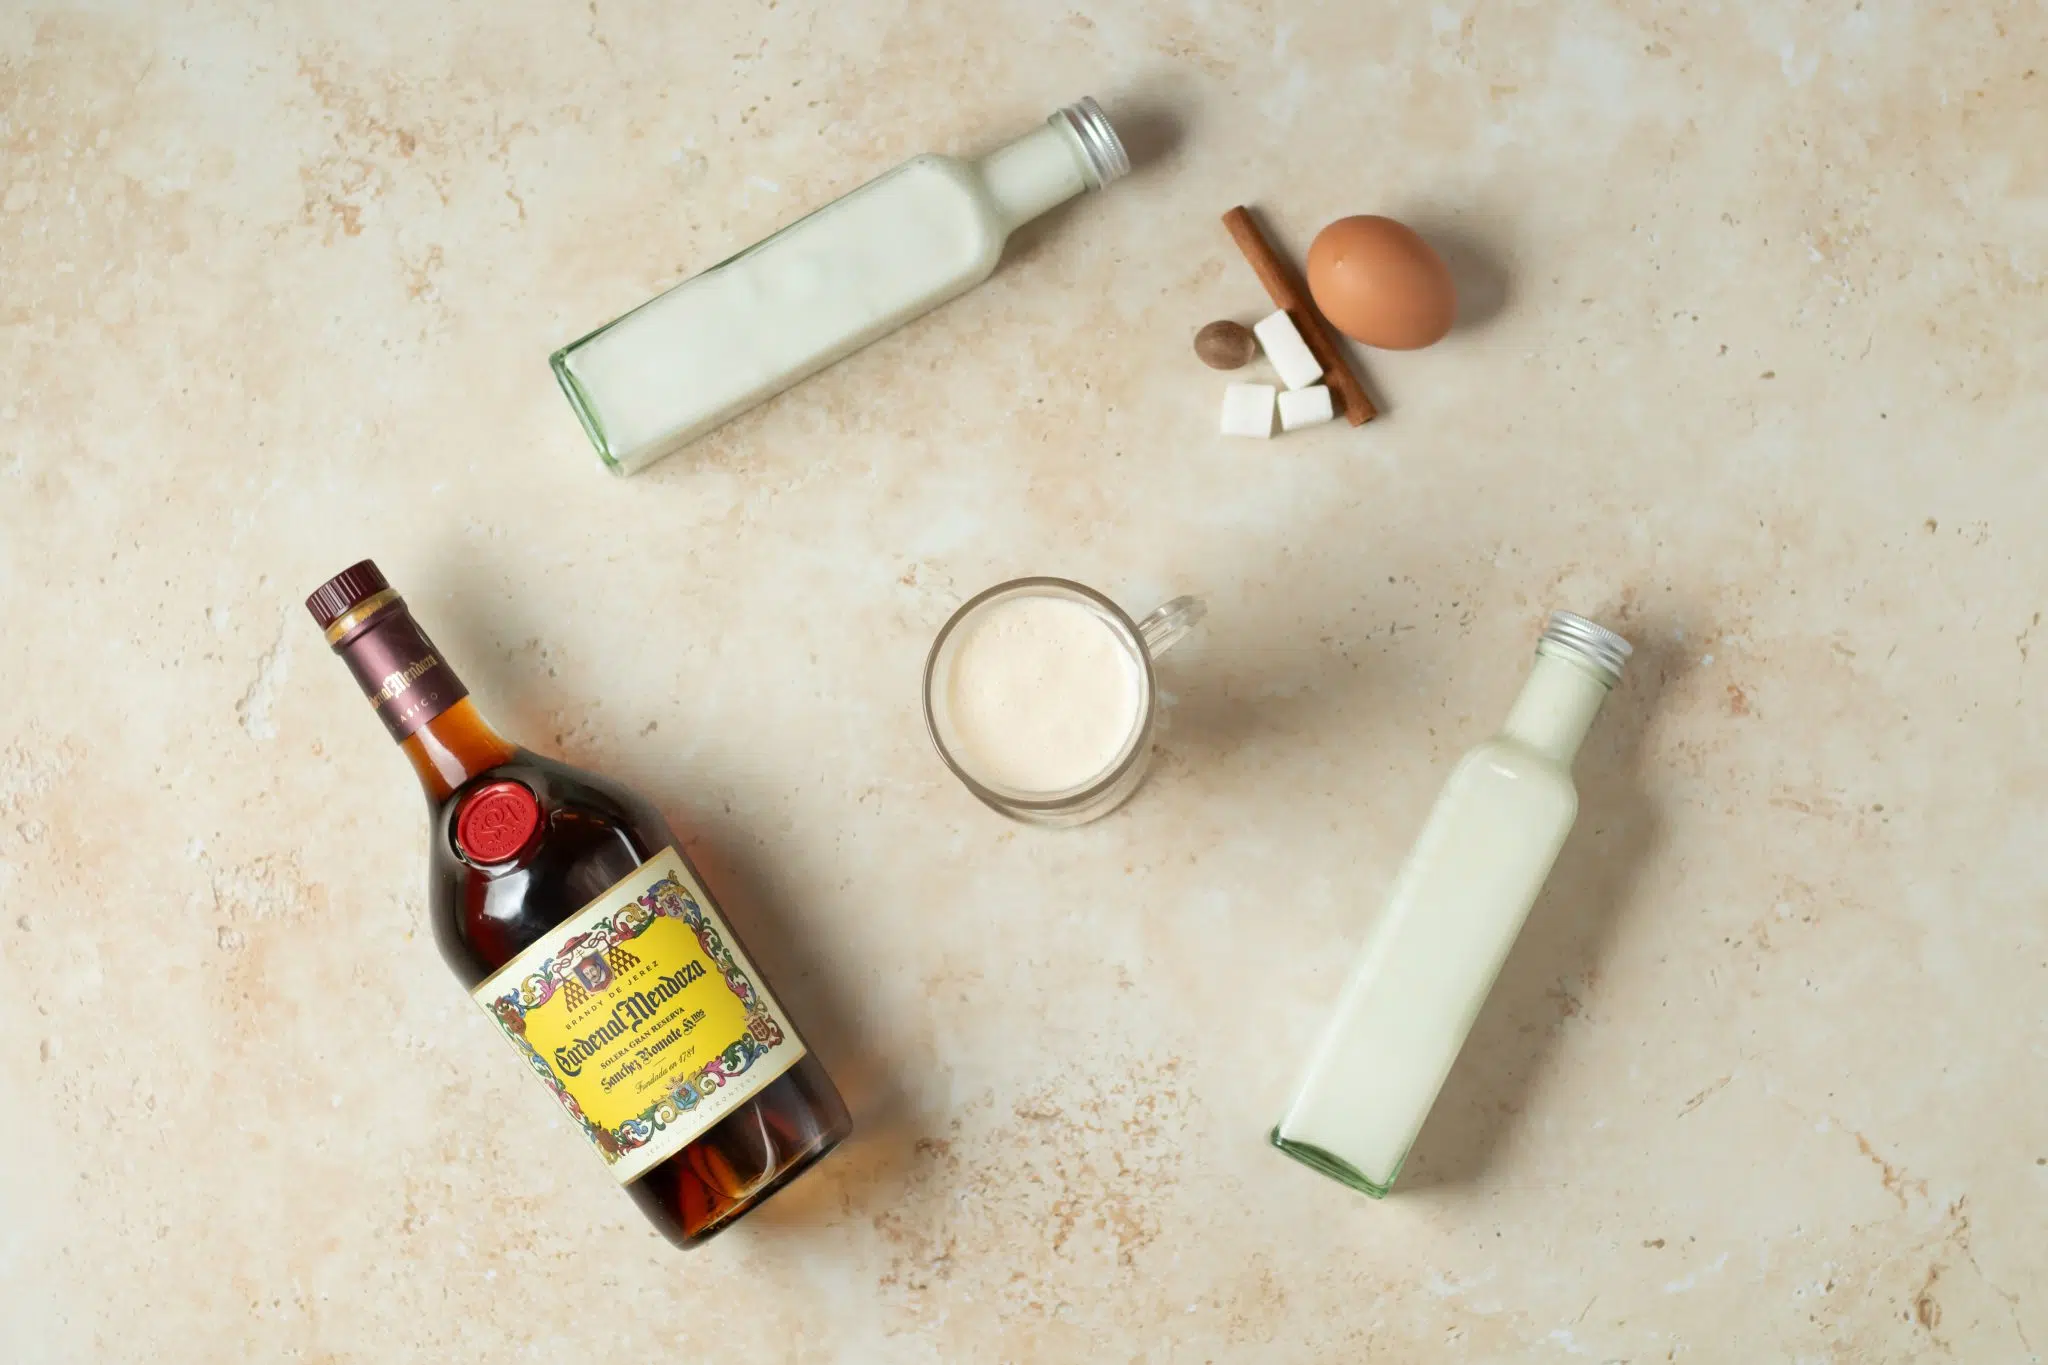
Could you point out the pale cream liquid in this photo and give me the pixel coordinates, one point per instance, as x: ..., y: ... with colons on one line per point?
x: 1452, y: 916
x: 855, y: 270
x: 1042, y: 697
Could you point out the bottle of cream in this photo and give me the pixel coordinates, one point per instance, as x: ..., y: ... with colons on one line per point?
x: 1455, y: 909
x: 821, y: 288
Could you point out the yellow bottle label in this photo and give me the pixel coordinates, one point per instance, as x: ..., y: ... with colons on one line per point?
x: 643, y: 1016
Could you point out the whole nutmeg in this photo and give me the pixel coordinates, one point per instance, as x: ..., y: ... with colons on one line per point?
x: 1226, y: 345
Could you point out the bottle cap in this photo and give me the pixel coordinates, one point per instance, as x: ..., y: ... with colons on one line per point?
x: 1107, y: 159
x: 349, y: 598
x: 1590, y: 641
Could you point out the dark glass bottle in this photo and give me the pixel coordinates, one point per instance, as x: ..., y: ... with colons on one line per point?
x: 521, y: 846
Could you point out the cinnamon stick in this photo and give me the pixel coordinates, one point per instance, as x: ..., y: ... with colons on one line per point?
x: 1290, y: 296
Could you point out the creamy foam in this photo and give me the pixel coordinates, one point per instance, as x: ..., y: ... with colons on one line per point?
x: 1043, y: 695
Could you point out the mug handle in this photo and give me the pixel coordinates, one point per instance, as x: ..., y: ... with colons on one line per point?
x: 1168, y: 625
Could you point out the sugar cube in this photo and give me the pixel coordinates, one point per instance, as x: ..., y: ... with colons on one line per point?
x: 1305, y: 407
x: 1248, y: 410
x: 1290, y: 355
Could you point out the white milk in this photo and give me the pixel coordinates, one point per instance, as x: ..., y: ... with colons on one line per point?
x: 1043, y: 695
x: 823, y: 287
x: 1450, y: 919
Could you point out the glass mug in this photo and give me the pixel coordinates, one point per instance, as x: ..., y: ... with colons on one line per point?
x: 969, y: 683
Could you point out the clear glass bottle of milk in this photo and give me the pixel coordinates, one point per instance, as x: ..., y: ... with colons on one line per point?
x: 1454, y: 911
x: 822, y: 288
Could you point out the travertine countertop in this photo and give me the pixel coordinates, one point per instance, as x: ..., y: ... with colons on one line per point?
x: 1751, y: 369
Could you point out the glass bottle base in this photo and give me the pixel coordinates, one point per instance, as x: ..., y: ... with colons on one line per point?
x: 752, y: 1154
x: 1335, y: 1167
x: 797, y: 1164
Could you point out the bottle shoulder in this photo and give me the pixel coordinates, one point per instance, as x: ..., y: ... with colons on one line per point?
x: 1506, y: 761
x: 964, y: 183
x: 592, y: 832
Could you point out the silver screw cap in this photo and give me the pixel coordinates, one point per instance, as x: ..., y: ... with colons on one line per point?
x: 1594, y: 643
x: 1107, y: 159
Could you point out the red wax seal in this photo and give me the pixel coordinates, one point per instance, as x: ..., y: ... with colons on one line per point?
x: 495, y: 822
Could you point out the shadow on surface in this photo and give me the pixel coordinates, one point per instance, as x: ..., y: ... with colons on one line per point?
x: 777, y: 939
x: 1151, y: 120
x: 1476, y: 270
x: 1260, y: 683
x: 1566, y: 935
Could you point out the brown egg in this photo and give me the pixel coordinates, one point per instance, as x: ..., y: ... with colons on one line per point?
x: 1379, y: 283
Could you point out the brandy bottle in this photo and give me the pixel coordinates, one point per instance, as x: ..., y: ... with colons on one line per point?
x: 568, y: 909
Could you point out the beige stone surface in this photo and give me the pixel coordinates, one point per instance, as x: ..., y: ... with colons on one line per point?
x: 1751, y: 368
